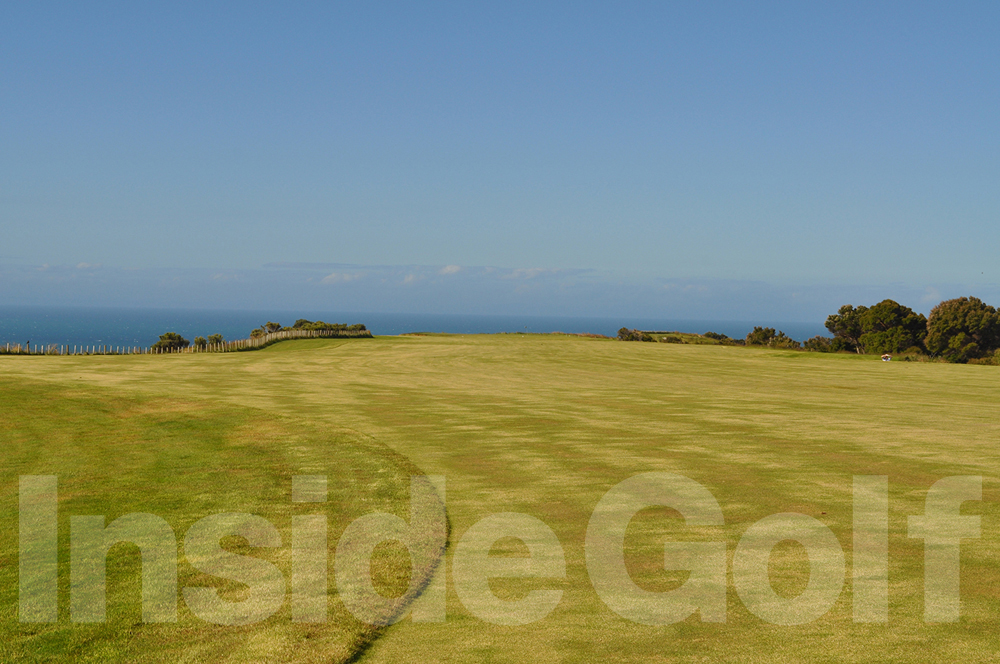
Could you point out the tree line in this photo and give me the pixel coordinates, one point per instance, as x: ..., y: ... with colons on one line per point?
x: 303, y: 324
x: 962, y: 330
x: 172, y: 341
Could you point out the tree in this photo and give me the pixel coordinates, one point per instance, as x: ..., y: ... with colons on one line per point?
x: 963, y: 329
x: 845, y: 324
x: 215, y: 339
x: 200, y: 342
x: 171, y: 341
x: 272, y: 327
x: 887, y: 327
x: 760, y: 336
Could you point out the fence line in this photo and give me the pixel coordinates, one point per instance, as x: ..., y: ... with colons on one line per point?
x: 66, y: 349
x: 238, y: 345
x: 264, y: 340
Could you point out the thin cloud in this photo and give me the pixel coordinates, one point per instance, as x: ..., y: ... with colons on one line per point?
x: 450, y: 269
x: 686, y: 288
x: 339, y: 278
x: 932, y: 295
x: 528, y: 273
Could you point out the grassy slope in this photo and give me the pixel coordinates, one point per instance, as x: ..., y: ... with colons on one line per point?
x: 546, y: 425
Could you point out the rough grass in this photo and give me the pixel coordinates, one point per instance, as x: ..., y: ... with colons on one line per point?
x: 545, y: 425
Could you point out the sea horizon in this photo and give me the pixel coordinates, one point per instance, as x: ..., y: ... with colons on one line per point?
x: 121, y: 326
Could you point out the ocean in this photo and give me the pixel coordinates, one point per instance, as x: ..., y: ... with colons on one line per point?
x: 142, y: 327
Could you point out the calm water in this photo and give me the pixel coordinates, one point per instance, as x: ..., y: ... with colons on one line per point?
x: 142, y: 327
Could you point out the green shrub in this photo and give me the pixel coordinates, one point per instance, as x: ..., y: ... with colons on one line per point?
x: 171, y: 341
x: 760, y: 336
x: 766, y: 336
x: 303, y: 324
x: 839, y: 344
x: 819, y: 344
x: 626, y: 334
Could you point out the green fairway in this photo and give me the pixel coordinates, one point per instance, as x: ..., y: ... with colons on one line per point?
x: 536, y: 424
x: 116, y: 453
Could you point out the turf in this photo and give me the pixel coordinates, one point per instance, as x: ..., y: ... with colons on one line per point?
x: 116, y: 453
x: 545, y: 425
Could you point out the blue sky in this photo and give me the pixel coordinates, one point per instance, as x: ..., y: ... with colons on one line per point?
x: 768, y: 153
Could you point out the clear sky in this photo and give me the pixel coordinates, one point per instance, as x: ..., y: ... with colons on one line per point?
x: 797, y: 146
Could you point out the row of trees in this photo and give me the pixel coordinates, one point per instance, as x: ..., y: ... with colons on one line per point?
x: 303, y: 324
x: 171, y: 341
x: 964, y: 329
x: 760, y: 336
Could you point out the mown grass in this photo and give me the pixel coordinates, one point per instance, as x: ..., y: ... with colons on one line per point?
x: 115, y: 453
x: 545, y: 425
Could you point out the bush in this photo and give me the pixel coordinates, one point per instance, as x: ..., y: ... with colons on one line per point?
x: 171, y: 341
x: 715, y: 335
x: 819, y: 344
x: 839, y: 344
x: 200, y: 342
x: 766, y: 336
x: 626, y: 334
x: 216, y: 339
x: 303, y: 324
x: 912, y: 354
x: 781, y: 340
x: 760, y: 336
